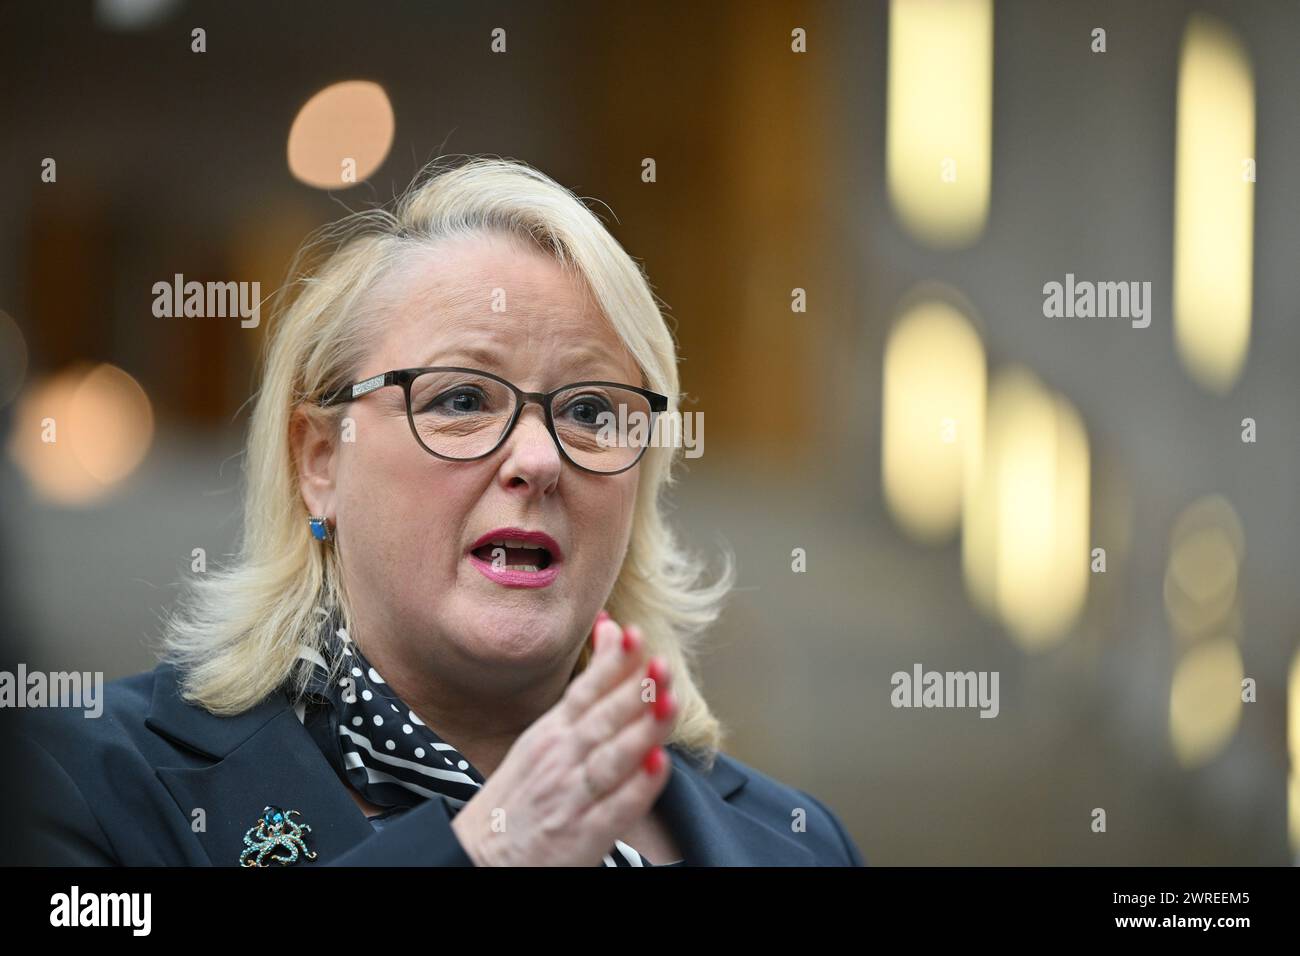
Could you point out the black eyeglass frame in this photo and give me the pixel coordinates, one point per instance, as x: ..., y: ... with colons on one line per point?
x: 405, y: 376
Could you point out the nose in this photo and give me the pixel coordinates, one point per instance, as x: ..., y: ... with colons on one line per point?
x: 532, y: 460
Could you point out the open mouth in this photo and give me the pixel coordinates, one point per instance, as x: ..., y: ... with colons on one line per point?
x: 507, y: 555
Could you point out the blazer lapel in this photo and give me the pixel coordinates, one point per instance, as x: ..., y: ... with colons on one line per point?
x: 263, y: 757
x: 711, y: 830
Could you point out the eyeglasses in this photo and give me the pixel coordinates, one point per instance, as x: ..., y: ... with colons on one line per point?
x: 463, y: 414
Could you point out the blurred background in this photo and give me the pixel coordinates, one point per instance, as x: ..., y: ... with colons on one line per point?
x: 855, y: 209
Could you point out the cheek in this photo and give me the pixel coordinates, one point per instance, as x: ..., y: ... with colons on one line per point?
x: 408, y: 508
x: 614, y: 524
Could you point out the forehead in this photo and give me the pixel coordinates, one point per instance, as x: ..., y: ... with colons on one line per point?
x: 491, y: 301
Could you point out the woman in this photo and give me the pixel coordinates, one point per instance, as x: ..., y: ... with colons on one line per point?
x: 446, y: 487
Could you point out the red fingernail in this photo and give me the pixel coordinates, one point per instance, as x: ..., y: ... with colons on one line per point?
x: 630, y: 642
x: 653, y: 761
x: 664, y: 705
x: 655, y: 671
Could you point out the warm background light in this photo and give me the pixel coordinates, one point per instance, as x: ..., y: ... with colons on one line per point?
x: 933, y: 418
x: 349, y: 120
x: 1206, y: 548
x: 1205, y: 700
x: 1025, y: 530
x: 103, y: 427
x: 939, y: 109
x: 1214, y: 204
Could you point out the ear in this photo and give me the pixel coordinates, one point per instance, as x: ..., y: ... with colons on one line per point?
x: 312, y: 441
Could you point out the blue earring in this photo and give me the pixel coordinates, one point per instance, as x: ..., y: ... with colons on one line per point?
x: 320, y: 529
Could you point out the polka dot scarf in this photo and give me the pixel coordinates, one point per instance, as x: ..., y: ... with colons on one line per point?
x: 380, y: 745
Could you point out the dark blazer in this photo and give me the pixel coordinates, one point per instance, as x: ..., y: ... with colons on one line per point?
x: 124, y: 788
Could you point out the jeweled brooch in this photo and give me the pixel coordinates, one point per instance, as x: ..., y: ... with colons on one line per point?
x: 275, y: 837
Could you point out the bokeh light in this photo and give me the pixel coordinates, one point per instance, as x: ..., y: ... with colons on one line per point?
x: 1205, y: 700
x: 1026, y: 527
x: 1214, y: 204
x: 939, y: 118
x: 81, y: 433
x: 133, y: 14
x: 349, y: 122
x: 933, y: 418
x: 1206, y: 548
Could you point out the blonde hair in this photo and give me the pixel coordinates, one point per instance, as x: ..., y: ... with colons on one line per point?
x: 237, y: 635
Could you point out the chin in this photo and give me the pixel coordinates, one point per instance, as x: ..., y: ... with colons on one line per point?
x: 508, y: 633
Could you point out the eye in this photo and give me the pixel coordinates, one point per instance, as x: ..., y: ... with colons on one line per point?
x: 586, y: 409
x: 458, y: 401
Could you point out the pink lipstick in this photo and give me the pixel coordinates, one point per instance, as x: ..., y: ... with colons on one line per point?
x: 516, y: 557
